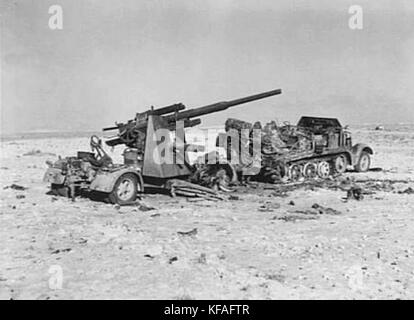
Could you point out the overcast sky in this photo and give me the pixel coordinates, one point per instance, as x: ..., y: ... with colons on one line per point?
x: 115, y: 58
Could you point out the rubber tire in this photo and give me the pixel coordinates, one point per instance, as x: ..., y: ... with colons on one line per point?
x: 319, y: 170
x: 280, y: 169
x: 345, y: 164
x: 315, y: 173
x: 298, y: 172
x: 358, y: 165
x: 113, y: 196
x: 229, y: 174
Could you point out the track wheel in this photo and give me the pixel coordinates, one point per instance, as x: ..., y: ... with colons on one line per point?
x: 278, y: 171
x: 125, y: 190
x: 340, y: 164
x: 295, y: 172
x: 324, y: 169
x: 364, y: 162
x: 310, y: 170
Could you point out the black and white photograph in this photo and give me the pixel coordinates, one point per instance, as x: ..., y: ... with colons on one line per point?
x: 219, y: 150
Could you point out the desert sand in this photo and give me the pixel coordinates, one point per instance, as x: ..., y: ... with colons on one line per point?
x: 256, y: 244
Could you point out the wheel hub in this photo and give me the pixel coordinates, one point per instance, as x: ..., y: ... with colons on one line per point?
x: 340, y: 164
x: 364, y: 162
x: 295, y: 172
x: 125, y: 189
x: 310, y: 170
x: 323, y: 169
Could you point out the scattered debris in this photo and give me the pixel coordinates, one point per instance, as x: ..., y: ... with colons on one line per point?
x: 269, y: 206
x: 308, y: 214
x: 194, y: 199
x: 188, y: 189
x: 145, y: 208
x: 276, y: 277
x: 202, y: 259
x: 367, y: 186
x: 409, y: 190
x: 37, y: 152
x: 192, y: 232
x: 325, y: 210
x: 16, y: 187
x: 297, y: 215
x: 354, y: 193
x: 173, y: 259
x: 232, y: 197
x: 61, y: 250
x: 211, y: 174
x: 280, y: 193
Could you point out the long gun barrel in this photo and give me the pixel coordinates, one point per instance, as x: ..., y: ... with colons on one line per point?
x: 220, y: 106
x: 129, y: 131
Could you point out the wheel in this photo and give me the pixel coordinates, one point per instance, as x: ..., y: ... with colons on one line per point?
x: 278, y: 171
x: 364, y: 162
x: 310, y: 170
x: 60, y: 190
x: 295, y: 172
x: 221, y: 180
x: 340, y: 164
x: 274, y: 172
x: 324, y: 169
x: 218, y: 176
x: 125, y: 190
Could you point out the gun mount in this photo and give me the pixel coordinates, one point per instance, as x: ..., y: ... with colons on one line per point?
x: 143, y: 156
x: 132, y: 132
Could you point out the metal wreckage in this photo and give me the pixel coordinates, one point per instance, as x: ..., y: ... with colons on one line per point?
x: 314, y: 148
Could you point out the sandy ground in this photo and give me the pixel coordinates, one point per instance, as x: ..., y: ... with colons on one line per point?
x: 242, y: 249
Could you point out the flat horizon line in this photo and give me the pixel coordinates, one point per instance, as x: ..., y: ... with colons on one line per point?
x: 46, y: 131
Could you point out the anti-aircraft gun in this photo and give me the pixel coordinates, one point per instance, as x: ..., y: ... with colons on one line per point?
x: 131, y: 131
x: 142, y: 137
x: 152, y: 156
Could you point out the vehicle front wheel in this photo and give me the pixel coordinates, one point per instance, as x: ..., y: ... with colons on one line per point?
x: 340, y: 164
x: 125, y: 190
x: 364, y: 162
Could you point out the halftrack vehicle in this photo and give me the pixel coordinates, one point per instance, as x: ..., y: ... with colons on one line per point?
x: 315, y: 147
